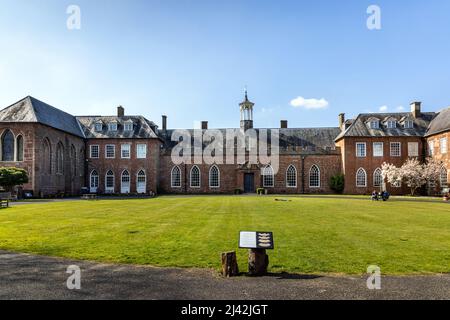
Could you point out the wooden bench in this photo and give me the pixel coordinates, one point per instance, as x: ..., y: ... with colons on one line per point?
x: 5, y: 198
x: 89, y: 196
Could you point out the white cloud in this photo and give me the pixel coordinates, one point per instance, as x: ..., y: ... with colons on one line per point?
x: 400, y: 108
x: 384, y: 108
x: 301, y: 102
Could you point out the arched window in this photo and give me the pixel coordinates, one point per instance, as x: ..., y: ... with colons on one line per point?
x: 291, y: 177
x: 176, y: 177
x: 443, y: 177
x: 59, y: 159
x: 109, y: 182
x: 314, y: 177
x: 214, y: 177
x: 46, y: 157
x: 19, y: 146
x: 94, y: 181
x: 81, y: 162
x: 73, y: 161
x: 141, y: 182
x: 268, y: 178
x: 361, y: 178
x: 8, y: 146
x: 377, y: 178
x: 125, y: 182
x: 195, y: 177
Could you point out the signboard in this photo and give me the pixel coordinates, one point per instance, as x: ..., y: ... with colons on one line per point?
x: 256, y: 240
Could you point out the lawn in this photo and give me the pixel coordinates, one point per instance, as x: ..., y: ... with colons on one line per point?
x: 312, y: 235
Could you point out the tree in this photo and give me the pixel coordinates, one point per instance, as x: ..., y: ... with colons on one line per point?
x: 432, y: 170
x: 412, y: 172
x: 11, y: 177
x: 337, y: 183
x: 391, y: 173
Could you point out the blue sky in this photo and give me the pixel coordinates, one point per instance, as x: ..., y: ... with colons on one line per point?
x: 192, y: 59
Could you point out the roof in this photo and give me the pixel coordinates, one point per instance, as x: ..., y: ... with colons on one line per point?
x: 292, y: 141
x: 360, y: 128
x: 33, y: 110
x: 142, y: 128
x: 440, y: 123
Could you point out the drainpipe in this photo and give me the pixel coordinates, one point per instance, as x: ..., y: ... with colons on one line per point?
x: 303, y: 174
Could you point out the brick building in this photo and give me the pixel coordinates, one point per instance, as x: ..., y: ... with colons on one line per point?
x: 124, y: 154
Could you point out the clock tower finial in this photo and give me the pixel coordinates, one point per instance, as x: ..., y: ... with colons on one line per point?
x: 246, y: 108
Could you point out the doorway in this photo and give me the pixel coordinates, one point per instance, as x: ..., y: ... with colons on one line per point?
x: 249, y: 182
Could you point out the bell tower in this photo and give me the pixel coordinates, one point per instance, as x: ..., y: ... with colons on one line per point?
x: 246, y: 108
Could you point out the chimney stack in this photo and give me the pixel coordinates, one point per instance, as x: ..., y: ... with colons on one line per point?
x: 416, y: 109
x: 164, y: 123
x: 204, y: 125
x: 283, y: 124
x: 342, y: 121
x: 120, y: 111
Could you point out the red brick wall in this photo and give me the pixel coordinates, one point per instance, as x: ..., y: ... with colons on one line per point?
x: 118, y: 165
x: 445, y: 158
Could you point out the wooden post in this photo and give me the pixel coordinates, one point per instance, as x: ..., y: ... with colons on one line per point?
x: 229, y: 264
x: 258, y: 261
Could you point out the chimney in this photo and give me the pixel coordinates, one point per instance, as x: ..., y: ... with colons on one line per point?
x: 164, y: 123
x: 416, y: 109
x: 283, y: 124
x: 120, y: 111
x: 204, y: 125
x: 342, y: 121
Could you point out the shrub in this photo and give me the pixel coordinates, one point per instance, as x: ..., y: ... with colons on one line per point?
x: 260, y: 191
x: 237, y: 191
x: 337, y: 183
x: 11, y: 177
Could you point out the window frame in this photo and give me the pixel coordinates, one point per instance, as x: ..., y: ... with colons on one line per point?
x: 382, y: 150
x: 365, y: 178
x: 98, y: 151
x: 114, y: 151
x: 218, y: 177
x: 375, y: 177
x: 110, y: 189
x: 291, y: 166
x: 399, y: 149
x: 122, y: 150
x: 416, y: 148
x: 443, y: 145
x: 145, y: 151
x: 171, y: 177
x: 271, y: 175
x: 357, y: 150
x: 199, y: 177
x: 318, y: 176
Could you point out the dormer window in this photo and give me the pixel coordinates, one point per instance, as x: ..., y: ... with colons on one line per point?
x: 374, y: 124
x: 98, y: 127
x: 409, y: 124
x: 128, y: 126
x: 392, y: 124
x: 112, y: 126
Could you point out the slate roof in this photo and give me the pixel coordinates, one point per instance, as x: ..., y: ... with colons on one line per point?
x: 360, y: 127
x: 32, y: 110
x: 440, y: 123
x: 142, y: 128
x: 303, y: 141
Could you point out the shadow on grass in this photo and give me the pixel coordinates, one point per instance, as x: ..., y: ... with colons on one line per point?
x: 284, y: 276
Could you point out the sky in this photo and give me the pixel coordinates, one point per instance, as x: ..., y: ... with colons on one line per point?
x: 304, y: 61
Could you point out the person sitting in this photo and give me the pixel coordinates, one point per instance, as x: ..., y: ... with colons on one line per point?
x: 374, y: 196
x: 385, y: 195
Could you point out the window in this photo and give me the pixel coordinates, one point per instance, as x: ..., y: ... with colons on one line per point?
x: 413, y: 149
x: 8, y: 146
x: 361, y: 149
x: 431, y: 148
x: 378, y: 149
x: 46, y: 157
x: 94, y: 181
x: 125, y: 185
x: 19, y: 146
x: 392, y: 124
x: 98, y: 127
x: 128, y: 126
x: 141, y: 151
x: 109, y: 182
x: 397, y: 184
x: 73, y: 161
x: 374, y: 124
x: 314, y: 177
x: 377, y: 178
x: 112, y: 126
x: 176, y: 177
x: 126, y: 151
x: 59, y: 159
x: 195, y: 177
x: 268, y: 178
x: 396, y: 149
x: 214, y: 177
x: 141, y: 182
x: 110, y: 152
x: 361, y: 178
x: 95, y: 151
x: 291, y: 177
x: 443, y: 145
x: 409, y: 124
x: 443, y: 177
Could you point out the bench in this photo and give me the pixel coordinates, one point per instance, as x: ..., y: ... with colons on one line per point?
x: 89, y: 196
x: 5, y: 198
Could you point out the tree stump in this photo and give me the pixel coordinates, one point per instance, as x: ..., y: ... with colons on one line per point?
x: 229, y: 264
x: 258, y: 261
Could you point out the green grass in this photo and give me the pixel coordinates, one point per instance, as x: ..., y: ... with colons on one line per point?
x: 311, y: 235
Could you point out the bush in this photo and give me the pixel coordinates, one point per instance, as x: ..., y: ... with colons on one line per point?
x: 337, y: 183
x: 11, y: 177
x: 237, y: 191
x: 260, y: 191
